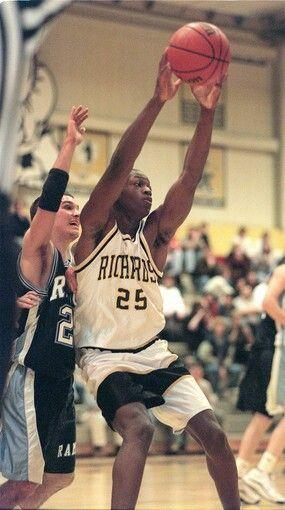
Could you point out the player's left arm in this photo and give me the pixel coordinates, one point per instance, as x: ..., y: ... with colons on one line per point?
x: 178, y: 201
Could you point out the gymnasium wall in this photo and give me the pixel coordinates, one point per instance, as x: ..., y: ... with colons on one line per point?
x: 111, y: 67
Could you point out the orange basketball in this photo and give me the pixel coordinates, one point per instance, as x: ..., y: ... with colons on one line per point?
x: 199, y: 53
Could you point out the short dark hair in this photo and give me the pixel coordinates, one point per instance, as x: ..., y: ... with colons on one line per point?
x: 35, y: 204
x: 137, y: 173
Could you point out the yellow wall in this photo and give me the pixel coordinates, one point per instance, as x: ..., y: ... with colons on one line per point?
x: 222, y: 234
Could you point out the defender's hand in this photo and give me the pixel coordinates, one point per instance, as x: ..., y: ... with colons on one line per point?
x: 75, y: 130
x: 29, y: 300
x: 166, y: 87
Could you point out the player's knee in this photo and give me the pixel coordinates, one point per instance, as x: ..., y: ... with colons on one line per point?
x: 68, y: 479
x: 144, y: 432
x: 60, y: 481
x: 140, y: 429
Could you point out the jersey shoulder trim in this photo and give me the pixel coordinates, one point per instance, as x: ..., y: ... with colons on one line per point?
x: 78, y: 268
x: 149, y: 255
x: 42, y: 291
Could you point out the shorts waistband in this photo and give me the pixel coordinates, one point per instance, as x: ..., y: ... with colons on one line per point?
x: 131, y: 351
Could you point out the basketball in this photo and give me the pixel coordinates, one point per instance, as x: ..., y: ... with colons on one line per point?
x: 199, y: 53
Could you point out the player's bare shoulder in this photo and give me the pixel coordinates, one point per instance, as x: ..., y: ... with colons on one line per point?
x: 89, y: 241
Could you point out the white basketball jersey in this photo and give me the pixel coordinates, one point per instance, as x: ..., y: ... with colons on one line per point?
x: 119, y: 305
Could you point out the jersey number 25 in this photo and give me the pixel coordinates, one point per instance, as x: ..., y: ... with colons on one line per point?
x: 123, y: 300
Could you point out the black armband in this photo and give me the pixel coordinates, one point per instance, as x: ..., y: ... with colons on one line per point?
x: 53, y: 190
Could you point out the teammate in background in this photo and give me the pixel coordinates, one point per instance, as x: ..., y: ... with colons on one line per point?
x: 255, y: 482
x: 37, y: 441
x: 119, y: 314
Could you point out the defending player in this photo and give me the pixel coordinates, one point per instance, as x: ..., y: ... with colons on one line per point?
x: 37, y: 442
x: 119, y: 315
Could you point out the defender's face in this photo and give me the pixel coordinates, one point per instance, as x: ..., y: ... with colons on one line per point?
x: 67, y: 218
x: 136, y: 196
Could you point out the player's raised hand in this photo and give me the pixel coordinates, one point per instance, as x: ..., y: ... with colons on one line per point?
x: 208, y: 94
x: 166, y: 87
x: 75, y: 129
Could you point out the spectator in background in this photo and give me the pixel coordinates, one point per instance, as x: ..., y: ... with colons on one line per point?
x: 264, y: 257
x: 226, y: 306
x: 264, y: 246
x: 239, y: 264
x: 193, y: 245
x: 174, y: 310
x: 217, y: 356
x: 251, y: 279
x: 206, y: 268
x: 203, y: 228
x: 219, y: 285
x: 174, y: 261
x: 246, y: 307
x: 241, y: 338
x: 199, y: 321
x: 242, y: 240
x: 197, y: 325
x: 19, y: 221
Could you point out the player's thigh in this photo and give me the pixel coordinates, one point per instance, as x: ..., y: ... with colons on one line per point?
x: 133, y: 421
x: 184, y: 399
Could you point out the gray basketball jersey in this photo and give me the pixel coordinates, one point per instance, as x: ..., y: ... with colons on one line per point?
x: 119, y: 305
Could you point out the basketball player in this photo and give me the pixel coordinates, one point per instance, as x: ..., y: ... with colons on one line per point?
x: 37, y: 442
x: 21, y: 27
x: 256, y: 483
x: 119, y: 259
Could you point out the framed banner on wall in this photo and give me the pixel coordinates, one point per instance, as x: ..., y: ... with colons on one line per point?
x: 89, y: 161
x: 211, y: 189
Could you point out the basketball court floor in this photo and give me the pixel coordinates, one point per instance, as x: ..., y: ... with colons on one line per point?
x: 170, y: 483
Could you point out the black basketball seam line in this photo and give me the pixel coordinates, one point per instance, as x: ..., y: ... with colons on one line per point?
x: 202, y: 35
x: 218, y: 60
x: 214, y: 70
x: 197, y: 53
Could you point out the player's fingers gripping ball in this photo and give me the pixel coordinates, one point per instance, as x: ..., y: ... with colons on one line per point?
x: 199, y: 53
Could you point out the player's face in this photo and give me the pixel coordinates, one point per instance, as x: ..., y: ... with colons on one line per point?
x: 136, y: 197
x: 67, y: 218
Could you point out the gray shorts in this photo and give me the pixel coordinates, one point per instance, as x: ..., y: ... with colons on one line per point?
x: 38, y: 426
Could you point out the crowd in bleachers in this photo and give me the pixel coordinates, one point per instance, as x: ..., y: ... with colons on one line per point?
x: 212, y: 304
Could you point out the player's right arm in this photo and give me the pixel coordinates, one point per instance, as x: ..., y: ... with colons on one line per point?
x: 36, y: 256
x: 271, y: 302
x: 95, y: 213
